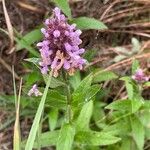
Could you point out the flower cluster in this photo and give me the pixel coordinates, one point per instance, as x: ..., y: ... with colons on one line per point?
x: 139, y: 76
x: 60, y: 47
x: 34, y: 91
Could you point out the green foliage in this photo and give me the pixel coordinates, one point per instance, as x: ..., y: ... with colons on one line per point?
x: 125, y: 105
x: 137, y: 132
x: 85, y: 23
x: 64, y: 6
x: 82, y: 123
x: 80, y: 92
x: 48, y: 139
x: 66, y: 137
x: 96, y: 138
x: 75, y: 80
x: 29, y: 39
x: 101, y: 75
x: 52, y: 118
x: 25, y: 42
x: 35, y: 125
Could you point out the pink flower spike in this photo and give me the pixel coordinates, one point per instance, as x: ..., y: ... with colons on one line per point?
x: 34, y: 91
x: 139, y: 76
x: 60, y: 36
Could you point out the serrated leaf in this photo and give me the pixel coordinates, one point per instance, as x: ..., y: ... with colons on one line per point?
x: 91, y: 92
x: 95, y: 138
x: 64, y: 6
x: 80, y: 92
x: 129, y: 86
x: 29, y: 38
x: 125, y: 105
x: 54, y: 82
x: 121, y: 127
x: 55, y: 99
x: 121, y: 105
x: 100, y: 76
x: 52, y: 118
x: 75, y: 80
x: 85, y: 23
x: 83, y: 120
x: 138, y: 132
x: 85, y: 84
x: 66, y: 137
x: 99, y: 113
x: 47, y: 139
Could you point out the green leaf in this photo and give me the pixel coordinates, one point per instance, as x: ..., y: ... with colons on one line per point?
x: 95, y: 138
x: 85, y: 84
x: 135, y: 66
x: 129, y: 86
x: 55, y: 99
x: 101, y: 75
x: 33, y: 60
x: 79, y: 94
x: 125, y: 105
x: 27, y: 46
x: 29, y: 39
x: 137, y: 132
x: 47, y: 139
x: 121, y: 105
x: 99, y: 113
x: 121, y: 127
x: 91, y: 92
x: 54, y: 82
x: 126, y: 143
x: 37, y: 118
x: 85, y: 23
x: 75, y: 80
x: 64, y: 6
x: 90, y: 54
x: 145, y: 118
x: 147, y: 84
x: 83, y: 120
x: 66, y: 137
x: 52, y: 118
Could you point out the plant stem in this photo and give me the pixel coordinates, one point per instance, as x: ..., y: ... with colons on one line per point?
x: 69, y: 103
x: 68, y: 111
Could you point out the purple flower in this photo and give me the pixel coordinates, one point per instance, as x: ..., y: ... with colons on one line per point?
x: 139, y: 76
x: 34, y: 91
x: 60, y: 47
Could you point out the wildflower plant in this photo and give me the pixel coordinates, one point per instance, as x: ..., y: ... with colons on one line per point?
x: 70, y: 104
x: 60, y: 47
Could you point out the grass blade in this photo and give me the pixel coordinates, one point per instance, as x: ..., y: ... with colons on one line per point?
x: 9, y: 25
x: 35, y: 125
x: 17, y: 136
